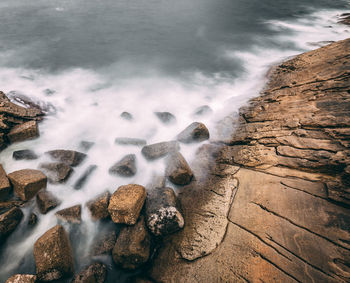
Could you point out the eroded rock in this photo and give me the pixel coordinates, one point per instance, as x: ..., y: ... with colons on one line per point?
x: 158, y: 150
x: 126, y: 167
x: 177, y: 169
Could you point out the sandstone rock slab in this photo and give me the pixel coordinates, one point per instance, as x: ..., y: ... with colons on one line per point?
x: 22, y: 132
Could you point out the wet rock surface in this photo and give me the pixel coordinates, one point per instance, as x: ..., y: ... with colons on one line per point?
x: 98, y: 207
x: 70, y: 214
x: 5, y: 187
x: 70, y: 157
x: 126, y: 203
x: 162, y: 215
x: 84, y: 177
x: 27, y: 182
x: 9, y: 221
x: 95, y: 273
x: 126, y: 167
x: 196, y: 132
x: 132, y: 248
x: 56, y: 172
x: 104, y: 244
x: 22, y: 278
x: 24, y: 154
x: 53, y: 255
x: 46, y: 201
x: 289, y: 157
x: 177, y: 169
x: 158, y: 150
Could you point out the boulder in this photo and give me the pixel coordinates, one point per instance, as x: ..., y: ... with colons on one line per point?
x: 94, y: 273
x: 46, y: 201
x: 24, y: 154
x: 166, y: 117
x: 70, y: 214
x: 70, y: 157
x: 5, y: 187
x: 22, y: 132
x: 126, y: 203
x: 132, y: 248
x: 9, y: 221
x: 57, y: 172
x: 196, y: 132
x: 27, y: 182
x: 105, y: 244
x: 130, y: 141
x: 162, y: 215
x: 177, y: 169
x: 98, y: 207
x: 53, y: 255
x: 158, y: 150
x: 126, y: 167
x: 84, y: 177
x: 203, y: 111
x: 22, y: 278
x: 126, y: 116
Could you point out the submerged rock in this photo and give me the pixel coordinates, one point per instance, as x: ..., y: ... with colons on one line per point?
x: 94, y: 273
x: 70, y: 157
x: 24, y: 154
x: 162, y: 215
x: 22, y: 132
x: 126, y: 116
x: 86, y: 145
x: 46, y: 201
x: 166, y: 117
x: 99, y: 206
x: 57, y: 172
x: 22, y: 278
x: 132, y: 248
x: 203, y: 111
x: 126, y: 167
x: 70, y: 214
x: 196, y: 132
x: 9, y: 221
x: 130, y: 141
x: 126, y: 203
x: 105, y: 244
x: 27, y: 182
x: 158, y: 150
x: 53, y: 255
x: 5, y: 187
x: 33, y: 219
x: 84, y: 177
x: 177, y: 169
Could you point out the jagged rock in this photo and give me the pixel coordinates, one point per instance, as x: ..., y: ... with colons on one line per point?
x: 86, y: 145
x: 33, y: 219
x: 157, y: 150
x: 70, y: 157
x: 70, y: 214
x: 126, y: 167
x: 177, y: 169
x: 53, y: 255
x: 25, y: 154
x: 99, y: 206
x: 130, y: 141
x: 46, y: 201
x: 5, y: 187
x: 22, y: 132
x: 94, y: 273
x: 57, y: 172
x: 126, y: 116
x: 132, y: 248
x: 162, y: 214
x: 166, y: 117
x: 27, y: 182
x: 84, y: 177
x: 196, y: 132
x: 105, y: 244
x: 126, y: 203
x: 9, y: 221
x: 22, y: 278
x: 203, y: 111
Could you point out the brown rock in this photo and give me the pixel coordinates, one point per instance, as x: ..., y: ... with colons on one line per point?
x: 22, y: 278
x: 158, y: 150
x: 105, y: 244
x: 53, y: 255
x: 57, y: 172
x: 126, y: 203
x: 5, y: 187
x: 132, y: 248
x: 70, y: 157
x: 22, y: 132
x: 70, y: 214
x: 125, y: 167
x: 27, y: 182
x: 177, y: 169
x: 46, y: 201
x: 99, y: 206
x: 196, y: 132
x: 9, y: 221
x: 94, y: 273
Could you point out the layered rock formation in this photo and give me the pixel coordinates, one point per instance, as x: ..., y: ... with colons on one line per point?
x: 275, y: 208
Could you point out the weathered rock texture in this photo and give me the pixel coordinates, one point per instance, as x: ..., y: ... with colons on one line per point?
x: 289, y: 221
x: 22, y: 278
x: 94, y: 273
x: 5, y: 187
x: 99, y: 206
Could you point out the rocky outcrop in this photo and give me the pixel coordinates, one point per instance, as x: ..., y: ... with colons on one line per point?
x: 287, y: 163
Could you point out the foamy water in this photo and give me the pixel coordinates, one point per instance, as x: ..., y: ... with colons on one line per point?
x: 88, y: 105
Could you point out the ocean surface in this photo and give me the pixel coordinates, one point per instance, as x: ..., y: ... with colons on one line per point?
x: 92, y: 60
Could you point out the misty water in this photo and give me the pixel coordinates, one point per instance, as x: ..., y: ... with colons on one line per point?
x: 93, y: 60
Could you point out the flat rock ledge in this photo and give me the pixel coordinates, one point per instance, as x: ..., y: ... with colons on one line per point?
x: 275, y: 206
